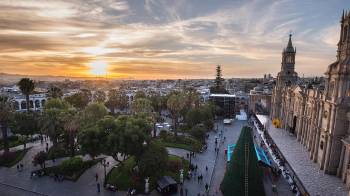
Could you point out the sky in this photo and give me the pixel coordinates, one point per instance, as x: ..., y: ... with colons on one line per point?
x: 166, y: 39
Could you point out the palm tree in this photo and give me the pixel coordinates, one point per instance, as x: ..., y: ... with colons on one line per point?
x: 175, y: 104
x: 5, y: 113
x: 116, y: 99
x: 71, y: 126
x: 55, y: 92
x: 26, y: 85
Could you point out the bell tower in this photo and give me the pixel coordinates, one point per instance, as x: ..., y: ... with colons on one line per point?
x: 344, y: 41
x: 287, y: 75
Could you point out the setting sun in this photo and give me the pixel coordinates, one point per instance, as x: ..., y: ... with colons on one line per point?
x: 98, y: 67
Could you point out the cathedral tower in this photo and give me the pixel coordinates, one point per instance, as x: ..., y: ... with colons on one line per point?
x: 287, y: 75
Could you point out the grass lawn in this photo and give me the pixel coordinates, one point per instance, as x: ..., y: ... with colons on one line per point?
x: 183, y: 142
x: 12, y: 158
x: 122, y: 176
x: 73, y: 175
x: 14, y: 141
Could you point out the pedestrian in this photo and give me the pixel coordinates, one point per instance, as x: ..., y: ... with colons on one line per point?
x: 98, y: 188
x: 186, y: 191
x: 196, y: 167
x: 187, y: 155
x: 96, y: 177
x: 206, y: 168
x: 17, y: 167
x: 206, y: 187
x: 199, y: 177
x: 21, y: 165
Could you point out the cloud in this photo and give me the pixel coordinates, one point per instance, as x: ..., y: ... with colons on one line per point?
x: 165, y: 38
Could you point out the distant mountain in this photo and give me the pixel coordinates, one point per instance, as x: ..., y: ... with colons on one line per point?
x: 8, y: 79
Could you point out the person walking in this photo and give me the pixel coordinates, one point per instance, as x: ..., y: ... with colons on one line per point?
x: 98, y: 187
x: 96, y: 177
x: 206, y: 168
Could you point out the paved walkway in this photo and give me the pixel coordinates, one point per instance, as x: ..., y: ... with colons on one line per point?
x: 315, y: 181
x: 202, y: 160
x: 231, y: 132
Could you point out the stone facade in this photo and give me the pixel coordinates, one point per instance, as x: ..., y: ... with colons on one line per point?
x: 318, y: 113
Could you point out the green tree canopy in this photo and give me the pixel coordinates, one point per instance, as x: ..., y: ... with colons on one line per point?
x: 153, y: 162
x: 55, y: 92
x: 175, y: 104
x: 91, y: 141
x: 99, y: 96
x: 6, y: 111
x: 116, y: 99
x: 78, y: 100
x: 25, y: 124
x: 93, y: 113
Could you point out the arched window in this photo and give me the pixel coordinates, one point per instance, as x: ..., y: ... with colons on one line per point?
x: 42, y: 103
x: 37, y: 104
x: 23, y: 105
x: 16, y: 105
x: 31, y: 105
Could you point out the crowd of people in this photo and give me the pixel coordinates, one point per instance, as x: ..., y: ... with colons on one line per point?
x: 269, y: 146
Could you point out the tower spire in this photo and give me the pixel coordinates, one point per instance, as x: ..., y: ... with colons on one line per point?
x: 290, y: 47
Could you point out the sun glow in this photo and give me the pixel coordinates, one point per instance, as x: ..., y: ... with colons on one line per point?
x: 98, y: 67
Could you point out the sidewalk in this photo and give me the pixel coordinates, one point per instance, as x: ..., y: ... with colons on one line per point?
x: 315, y: 181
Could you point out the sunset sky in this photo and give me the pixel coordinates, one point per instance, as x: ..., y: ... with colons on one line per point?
x: 157, y: 39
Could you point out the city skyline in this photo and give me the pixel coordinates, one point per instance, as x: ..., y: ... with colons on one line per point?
x: 165, y: 39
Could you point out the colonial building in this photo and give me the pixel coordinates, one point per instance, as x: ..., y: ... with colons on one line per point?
x: 318, y: 113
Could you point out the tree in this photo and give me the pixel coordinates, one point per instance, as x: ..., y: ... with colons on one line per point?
x: 40, y: 158
x: 93, y: 113
x: 91, y: 141
x: 116, y: 99
x: 199, y: 133
x: 125, y: 136
x: 55, y: 92
x: 51, y: 121
x: 139, y: 94
x: 25, y: 124
x: 192, y: 98
x: 157, y: 102
x: 5, y: 115
x: 175, y: 104
x: 78, y: 100
x: 153, y: 161
x: 100, y: 96
x: 26, y: 86
x: 71, y: 127
x: 142, y: 105
x: 218, y: 85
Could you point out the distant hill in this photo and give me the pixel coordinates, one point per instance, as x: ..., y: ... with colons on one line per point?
x: 9, y: 79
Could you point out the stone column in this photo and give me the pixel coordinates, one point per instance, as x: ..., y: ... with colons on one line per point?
x: 325, y: 146
x: 341, y: 162
x: 316, y: 146
x: 328, y: 153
